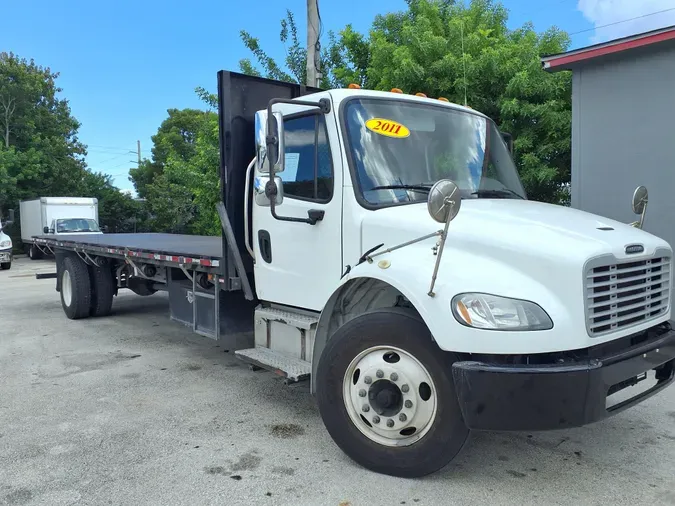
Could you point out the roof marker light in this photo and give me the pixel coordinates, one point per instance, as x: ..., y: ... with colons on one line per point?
x: 396, y: 90
x: 420, y: 95
x: 354, y: 86
x: 443, y: 99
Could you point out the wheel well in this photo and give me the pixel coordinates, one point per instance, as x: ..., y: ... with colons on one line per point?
x: 354, y: 298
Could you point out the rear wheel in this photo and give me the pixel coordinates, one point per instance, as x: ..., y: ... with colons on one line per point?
x: 75, y: 288
x: 34, y: 253
x: 102, y: 291
x: 386, y: 395
x: 6, y: 266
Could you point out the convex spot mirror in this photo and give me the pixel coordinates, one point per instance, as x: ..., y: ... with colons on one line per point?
x: 259, y: 194
x: 444, y: 201
x: 640, y: 199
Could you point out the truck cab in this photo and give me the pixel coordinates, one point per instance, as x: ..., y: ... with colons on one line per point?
x: 73, y: 226
x: 445, y: 299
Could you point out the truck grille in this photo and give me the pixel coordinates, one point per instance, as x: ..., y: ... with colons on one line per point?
x: 623, y: 294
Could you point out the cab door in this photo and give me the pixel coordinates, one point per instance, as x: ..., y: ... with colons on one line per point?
x: 299, y: 264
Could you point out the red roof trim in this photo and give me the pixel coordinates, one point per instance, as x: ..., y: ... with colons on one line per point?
x: 563, y: 60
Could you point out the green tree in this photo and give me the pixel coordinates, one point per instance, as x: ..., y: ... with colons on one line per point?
x: 464, y: 53
x: 38, y: 135
x: 40, y: 153
x: 182, y: 181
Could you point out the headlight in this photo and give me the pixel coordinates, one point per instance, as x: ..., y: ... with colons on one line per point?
x: 485, y: 311
x: 6, y: 244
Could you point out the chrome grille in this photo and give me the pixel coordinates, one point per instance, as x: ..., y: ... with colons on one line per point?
x: 627, y: 293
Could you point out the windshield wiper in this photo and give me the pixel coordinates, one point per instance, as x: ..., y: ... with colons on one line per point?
x: 413, y: 187
x: 497, y: 193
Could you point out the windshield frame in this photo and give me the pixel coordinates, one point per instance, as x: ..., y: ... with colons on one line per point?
x: 356, y: 182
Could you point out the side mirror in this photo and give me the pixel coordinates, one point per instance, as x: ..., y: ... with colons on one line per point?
x: 508, y: 139
x: 275, y: 142
x: 104, y: 229
x: 639, y: 204
x: 11, y: 217
x: 261, y: 188
x: 46, y: 230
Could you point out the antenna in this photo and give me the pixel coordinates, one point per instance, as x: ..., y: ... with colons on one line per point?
x: 461, y: 28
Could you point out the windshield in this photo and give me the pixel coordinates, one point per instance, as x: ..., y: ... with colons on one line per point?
x: 400, y: 149
x: 76, y: 225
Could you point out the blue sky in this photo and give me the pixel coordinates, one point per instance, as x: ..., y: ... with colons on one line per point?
x: 123, y: 64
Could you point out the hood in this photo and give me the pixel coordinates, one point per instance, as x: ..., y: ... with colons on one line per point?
x: 501, y: 227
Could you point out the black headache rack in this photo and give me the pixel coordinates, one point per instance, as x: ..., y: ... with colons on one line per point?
x: 239, y: 97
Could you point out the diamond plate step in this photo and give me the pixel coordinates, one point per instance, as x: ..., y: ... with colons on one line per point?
x: 298, y: 320
x: 293, y: 369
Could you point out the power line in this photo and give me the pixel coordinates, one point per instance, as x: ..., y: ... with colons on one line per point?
x: 622, y: 21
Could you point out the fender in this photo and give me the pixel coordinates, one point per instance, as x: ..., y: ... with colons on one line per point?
x: 407, y: 273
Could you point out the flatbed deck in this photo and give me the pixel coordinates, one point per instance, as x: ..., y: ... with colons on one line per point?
x: 205, y: 251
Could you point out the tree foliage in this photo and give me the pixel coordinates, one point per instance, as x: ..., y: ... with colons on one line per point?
x: 40, y: 153
x: 181, y: 181
x: 461, y: 52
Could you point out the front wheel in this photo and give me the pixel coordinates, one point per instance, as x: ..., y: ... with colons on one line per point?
x: 386, y: 395
x: 6, y: 266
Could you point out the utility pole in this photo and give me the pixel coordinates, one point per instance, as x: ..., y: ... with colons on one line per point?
x: 313, y: 50
x: 138, y: 148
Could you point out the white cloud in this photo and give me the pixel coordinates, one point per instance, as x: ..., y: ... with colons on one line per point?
x: 603, y: 12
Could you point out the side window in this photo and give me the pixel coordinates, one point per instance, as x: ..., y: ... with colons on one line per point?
x: 308, y: 167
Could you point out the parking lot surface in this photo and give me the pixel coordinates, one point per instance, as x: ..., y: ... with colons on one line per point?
x: 134, y: 409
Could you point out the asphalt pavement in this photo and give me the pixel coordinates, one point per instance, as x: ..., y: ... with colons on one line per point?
x: 134, y: 409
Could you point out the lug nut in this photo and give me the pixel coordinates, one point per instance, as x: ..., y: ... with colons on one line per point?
x: 390, y: 423
x: 408, y: 404
x: 362, y: 393
x: 405, y: 389
x: 394, y: 376
x: 376, y: 419
x: 367, y: 380
x: 402, y: 417
x: 365, y: 408
x: 379, y: 374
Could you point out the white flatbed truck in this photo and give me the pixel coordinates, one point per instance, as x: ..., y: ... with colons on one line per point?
x: 346, y: 260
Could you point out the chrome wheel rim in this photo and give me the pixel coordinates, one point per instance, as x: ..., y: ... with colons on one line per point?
x: 390, y: 396
x: 67, y: 288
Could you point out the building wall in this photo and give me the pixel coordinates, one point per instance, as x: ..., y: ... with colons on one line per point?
x: 623, y: 135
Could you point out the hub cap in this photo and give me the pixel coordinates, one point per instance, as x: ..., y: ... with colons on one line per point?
x: 400, y: 402
x: 67, y: 288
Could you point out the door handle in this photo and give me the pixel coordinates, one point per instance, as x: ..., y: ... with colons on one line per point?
x: 314, y: 215
x: 265, y: 244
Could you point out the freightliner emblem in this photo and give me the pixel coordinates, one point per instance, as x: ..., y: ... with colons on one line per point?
x: 632, y: 249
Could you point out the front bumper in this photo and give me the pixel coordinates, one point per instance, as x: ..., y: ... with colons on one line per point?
x: 571, y: 393
x: 5, y: 256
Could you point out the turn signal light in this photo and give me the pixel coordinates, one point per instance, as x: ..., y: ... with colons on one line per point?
x: 396, y: 90
x: 354, y: 86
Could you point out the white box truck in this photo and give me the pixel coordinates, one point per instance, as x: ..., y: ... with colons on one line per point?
x: 56, y: 215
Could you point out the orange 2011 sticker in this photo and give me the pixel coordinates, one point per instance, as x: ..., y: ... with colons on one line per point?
x: 387, y: 127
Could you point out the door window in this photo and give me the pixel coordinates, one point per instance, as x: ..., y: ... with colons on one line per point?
x: 308, y: 165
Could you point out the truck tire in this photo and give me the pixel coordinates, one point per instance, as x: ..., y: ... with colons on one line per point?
x: 6, y: 266
x: 102, y: 291
x: 34, y: 253
x: 386, y: 395
x: 75, y: 288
